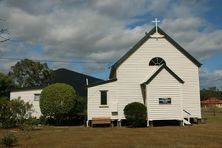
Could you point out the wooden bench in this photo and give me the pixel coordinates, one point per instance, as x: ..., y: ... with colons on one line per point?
x: 101, y: 120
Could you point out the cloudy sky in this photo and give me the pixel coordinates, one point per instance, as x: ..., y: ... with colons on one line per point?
x: 90, y: 35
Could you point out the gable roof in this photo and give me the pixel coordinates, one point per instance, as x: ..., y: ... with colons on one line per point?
x: 27, y: 88
x: 75, y: 79
x: 164, y: 66
x: 102, y: 82
x: 142, y: 41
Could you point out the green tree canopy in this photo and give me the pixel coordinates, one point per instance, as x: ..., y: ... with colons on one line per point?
x: 58, y: 100
x: 5, y: 85
x: 212, y: 92
x: 27, y: 73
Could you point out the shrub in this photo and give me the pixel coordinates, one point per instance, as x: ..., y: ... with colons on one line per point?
x: 57, y: 101
x: 5, y: 114
x: 9, y: 140
x: 21, y: 110
x: 29, y: 124
x: 33, y: 121
x: 42, y: 120
x: 136, y: 114
x: 14, y: 113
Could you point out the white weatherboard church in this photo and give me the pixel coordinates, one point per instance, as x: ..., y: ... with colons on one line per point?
x: 157, y: 72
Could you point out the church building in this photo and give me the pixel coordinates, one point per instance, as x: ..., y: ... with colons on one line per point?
x: 157, y: 72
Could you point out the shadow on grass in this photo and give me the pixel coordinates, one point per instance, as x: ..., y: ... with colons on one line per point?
x: 166, y: 123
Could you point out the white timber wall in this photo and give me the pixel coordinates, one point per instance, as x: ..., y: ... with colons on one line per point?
x: 28, y: 96
x: 164, y: 85
x: 94, y: 107
x: 133, y: 70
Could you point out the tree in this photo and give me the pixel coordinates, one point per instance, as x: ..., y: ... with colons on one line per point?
x: 212, y: 92
x: 5, y: 113
x: 27, y: 73
x: 5, y: 85
x: 136, y: 114
x: 58, y: 101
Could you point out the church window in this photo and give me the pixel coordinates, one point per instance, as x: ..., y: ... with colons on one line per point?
x: 103, y: 94
x: 157, y: 61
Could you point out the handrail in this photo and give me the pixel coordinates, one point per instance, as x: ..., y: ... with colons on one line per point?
x: 186, y: 112
x: 188, y: 115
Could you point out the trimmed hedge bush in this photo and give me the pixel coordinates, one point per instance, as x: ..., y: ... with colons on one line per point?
x: 136, y: 114
x: 57, y: 100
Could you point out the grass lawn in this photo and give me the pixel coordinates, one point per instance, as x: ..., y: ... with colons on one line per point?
x: 202, y: 135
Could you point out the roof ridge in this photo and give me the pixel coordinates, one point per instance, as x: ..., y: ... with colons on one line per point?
x: 142, y: 41
x: 81, y: 73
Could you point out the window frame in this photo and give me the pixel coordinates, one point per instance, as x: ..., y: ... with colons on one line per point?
x: 35, y: 95
x: 101, y: 97
x: 156, y: 61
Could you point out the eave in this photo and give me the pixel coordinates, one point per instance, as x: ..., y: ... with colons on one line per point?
x: 142, y: 41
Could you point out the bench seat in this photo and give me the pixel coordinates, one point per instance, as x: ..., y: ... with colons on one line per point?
x: 101, y: 120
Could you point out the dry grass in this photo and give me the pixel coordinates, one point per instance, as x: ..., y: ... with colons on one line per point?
x: 203, y: 135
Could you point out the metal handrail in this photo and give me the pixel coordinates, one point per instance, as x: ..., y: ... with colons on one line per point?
x: 186, y: 112
x: 188, y: 115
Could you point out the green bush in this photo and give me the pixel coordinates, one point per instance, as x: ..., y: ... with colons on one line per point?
x: 42, y: 120
x: 136, y: 114
x: 9, y: 140
x: 21, y: 111
x: 30, y: 124
x: 32, y: 121
x: 5, y: 114
x: 57, y: 101
x: 14, y: 113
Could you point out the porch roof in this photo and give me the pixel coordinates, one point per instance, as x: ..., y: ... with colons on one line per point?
x: 156, y: 70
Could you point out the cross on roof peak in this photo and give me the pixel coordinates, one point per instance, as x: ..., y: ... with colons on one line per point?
x: 156, y: 21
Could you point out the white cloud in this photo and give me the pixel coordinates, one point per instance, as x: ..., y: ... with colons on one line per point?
x: 97, y: 30
x: 198, y: 43
x: 211, y: 78
x: 5, y: 64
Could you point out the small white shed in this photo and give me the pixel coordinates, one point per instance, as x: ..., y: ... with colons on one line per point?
x: 29, y: 95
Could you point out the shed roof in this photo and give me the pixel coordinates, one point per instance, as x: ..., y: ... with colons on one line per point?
x: 75, y: 79
x: 212, y: 101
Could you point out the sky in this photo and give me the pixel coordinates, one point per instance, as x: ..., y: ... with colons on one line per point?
x: 89, y: 36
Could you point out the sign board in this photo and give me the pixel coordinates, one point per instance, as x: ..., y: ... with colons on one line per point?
x: 164, y: 100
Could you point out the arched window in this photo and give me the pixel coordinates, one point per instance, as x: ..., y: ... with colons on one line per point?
x: 157, y: 61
